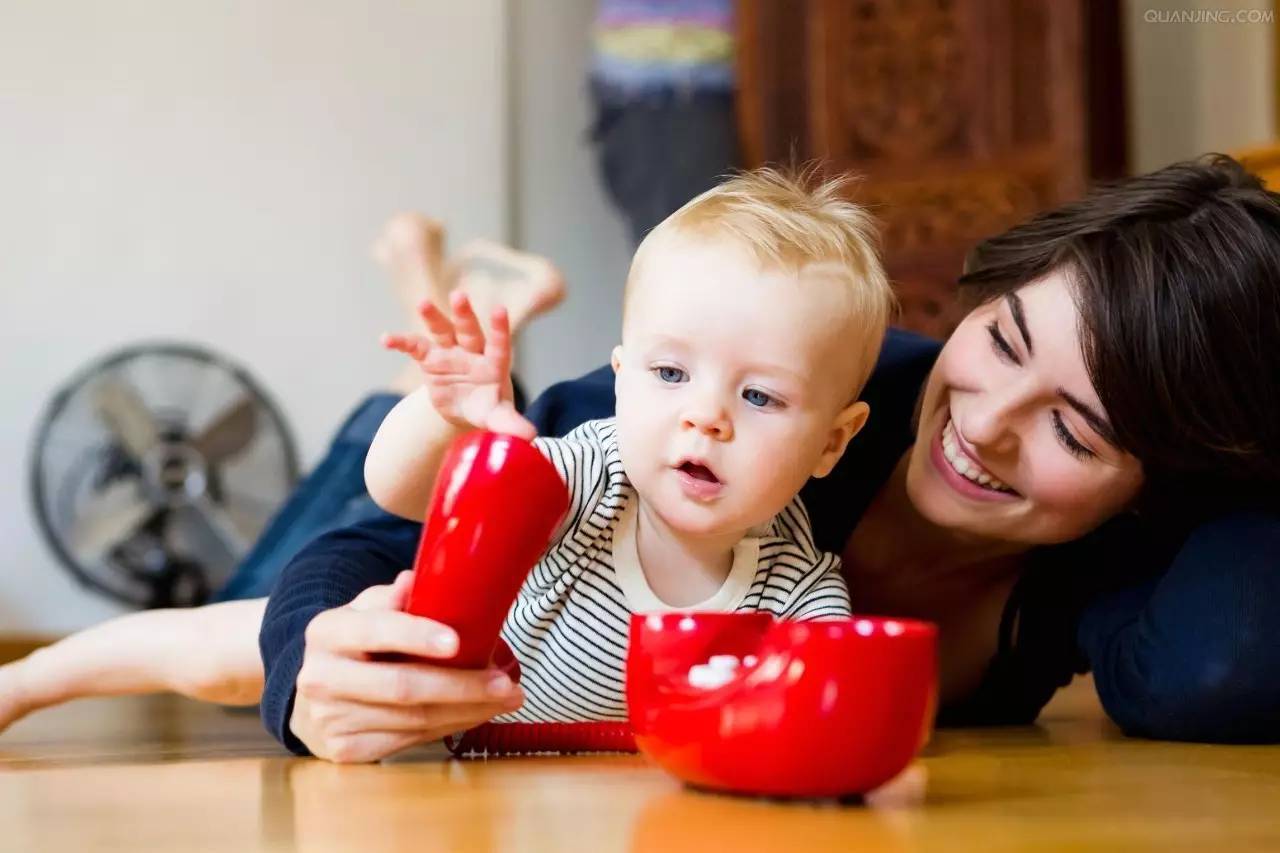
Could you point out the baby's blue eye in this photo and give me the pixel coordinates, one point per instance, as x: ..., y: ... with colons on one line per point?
x: 756, y: 398
x: 670, y: 374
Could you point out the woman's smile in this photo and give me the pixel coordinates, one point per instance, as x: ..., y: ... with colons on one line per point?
x: 962, y: 472
x: 965, y: 461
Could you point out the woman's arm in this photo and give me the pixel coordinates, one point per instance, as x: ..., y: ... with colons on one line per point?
x: 327, y: 574
x: 335, y: 568
x: 1195, y: 654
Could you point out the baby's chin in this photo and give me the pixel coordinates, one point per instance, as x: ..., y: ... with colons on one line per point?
x: 687, y: 518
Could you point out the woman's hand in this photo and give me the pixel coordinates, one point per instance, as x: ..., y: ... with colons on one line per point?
x: 352, y: 706
x: 468, y: 377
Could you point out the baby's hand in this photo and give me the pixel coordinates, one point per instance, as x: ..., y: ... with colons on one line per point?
x: 467, y: 377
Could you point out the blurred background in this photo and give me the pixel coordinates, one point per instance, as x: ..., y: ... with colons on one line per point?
x: 213, y: 174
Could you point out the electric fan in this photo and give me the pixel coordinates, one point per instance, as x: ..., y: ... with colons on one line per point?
x: 155, y: 469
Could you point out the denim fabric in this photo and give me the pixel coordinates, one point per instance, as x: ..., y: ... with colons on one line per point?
x: 331, y: 496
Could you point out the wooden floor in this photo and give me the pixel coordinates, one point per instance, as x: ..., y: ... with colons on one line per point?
x: 166, y: 774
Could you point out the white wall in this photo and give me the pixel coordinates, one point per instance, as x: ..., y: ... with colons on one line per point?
x: 214, y: 172
x: 1197, y: 87
x: 560, y: 206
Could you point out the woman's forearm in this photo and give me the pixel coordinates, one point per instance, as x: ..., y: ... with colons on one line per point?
x: 1196, y: 654
x: 400, y: 469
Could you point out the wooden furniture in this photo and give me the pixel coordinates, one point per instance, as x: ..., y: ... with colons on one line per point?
x: 1263, y: 161
x: 964, y: 116
x: 165, y: 774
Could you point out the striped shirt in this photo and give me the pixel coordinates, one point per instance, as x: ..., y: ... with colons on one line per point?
x: 569, y: 625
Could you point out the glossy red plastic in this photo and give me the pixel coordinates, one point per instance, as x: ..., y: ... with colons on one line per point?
x: 496, y: 503
x: 497, y: 739
x: 829, y: 708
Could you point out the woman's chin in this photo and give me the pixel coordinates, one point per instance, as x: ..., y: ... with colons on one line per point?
x: 991, y: 522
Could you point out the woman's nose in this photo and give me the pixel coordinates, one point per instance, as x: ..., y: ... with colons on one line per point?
x: 991, y: 422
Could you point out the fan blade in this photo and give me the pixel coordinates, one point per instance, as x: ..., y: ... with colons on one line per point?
x: 122, y: 409
x: 230, y: 433
x: 114, y: 516
x: 207, y: 534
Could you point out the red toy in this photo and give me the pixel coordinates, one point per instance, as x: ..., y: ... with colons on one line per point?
x: 817, y: 709
x: 496, y: 503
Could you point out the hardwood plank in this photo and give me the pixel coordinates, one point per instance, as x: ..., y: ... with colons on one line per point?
x: 14, y: 647
x: 167, y: 774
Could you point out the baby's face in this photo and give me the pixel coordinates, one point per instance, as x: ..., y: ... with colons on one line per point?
x: 730, y: 382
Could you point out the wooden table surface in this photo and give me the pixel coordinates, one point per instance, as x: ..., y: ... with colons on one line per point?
x: 167, y: 774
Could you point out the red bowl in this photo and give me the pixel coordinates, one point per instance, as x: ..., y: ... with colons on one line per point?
x: 829, y: 708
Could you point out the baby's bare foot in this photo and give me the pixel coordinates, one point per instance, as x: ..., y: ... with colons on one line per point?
x: 411, y: 249
x: 492, y: 274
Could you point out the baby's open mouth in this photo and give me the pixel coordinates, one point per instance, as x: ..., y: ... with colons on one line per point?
x: 698, y: 472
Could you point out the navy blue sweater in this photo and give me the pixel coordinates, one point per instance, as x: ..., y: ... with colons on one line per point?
x: 1181, y: 627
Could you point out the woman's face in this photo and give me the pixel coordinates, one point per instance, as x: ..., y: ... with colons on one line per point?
x: 1013, y: 444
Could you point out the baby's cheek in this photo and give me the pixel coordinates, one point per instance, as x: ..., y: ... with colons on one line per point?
x: 780, y: 470
x: 626, y: 440
x: 639, y: 441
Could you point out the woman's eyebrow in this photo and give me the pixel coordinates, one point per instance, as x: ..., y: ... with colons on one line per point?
x: 1096, y: 421
x: 1020, y: 318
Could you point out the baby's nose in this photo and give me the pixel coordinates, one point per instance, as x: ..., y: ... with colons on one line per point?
x: 710, y: 419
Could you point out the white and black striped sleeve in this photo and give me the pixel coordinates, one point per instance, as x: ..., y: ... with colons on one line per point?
x: 580, y: 461
x: 820, y: 593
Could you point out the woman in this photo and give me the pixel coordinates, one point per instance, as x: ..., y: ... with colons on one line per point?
x: 1085, y: 483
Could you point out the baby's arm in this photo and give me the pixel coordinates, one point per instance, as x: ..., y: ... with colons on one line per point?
x: 209, y: 653
x: 466, y: 385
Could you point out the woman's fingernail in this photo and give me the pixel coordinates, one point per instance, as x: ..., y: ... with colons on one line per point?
x: 499, y: 685
x: 445, y: 644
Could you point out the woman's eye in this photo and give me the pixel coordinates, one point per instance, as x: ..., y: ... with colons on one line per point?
x: 1001, y: 346
x: 758, y: 398
x: 1074, y: 447
x: 670, y: 374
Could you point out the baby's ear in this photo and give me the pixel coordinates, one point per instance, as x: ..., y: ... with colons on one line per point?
x: 848, y: 423
x: 615, y: 358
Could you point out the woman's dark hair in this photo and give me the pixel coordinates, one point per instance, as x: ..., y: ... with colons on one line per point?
x: 1177, y: 279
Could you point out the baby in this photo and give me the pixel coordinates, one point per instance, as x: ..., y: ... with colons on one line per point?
x: 752, y: 318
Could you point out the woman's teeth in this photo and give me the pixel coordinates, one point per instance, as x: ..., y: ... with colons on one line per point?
x: 964, y: 466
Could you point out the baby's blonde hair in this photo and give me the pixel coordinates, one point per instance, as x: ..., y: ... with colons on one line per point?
x: 788, y: 220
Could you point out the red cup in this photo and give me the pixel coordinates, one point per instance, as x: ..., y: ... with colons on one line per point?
x: 496, y: 504
x: 829, y: 708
